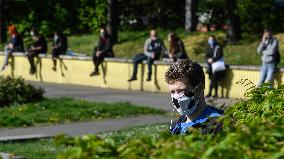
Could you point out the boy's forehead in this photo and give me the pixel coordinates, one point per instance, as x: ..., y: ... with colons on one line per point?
x: 180, y: 84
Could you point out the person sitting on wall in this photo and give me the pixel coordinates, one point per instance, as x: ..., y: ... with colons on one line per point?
x: 102, y: 50
x: 39, y: 46
x: 153, y: 48
x: 60, y: 46
x: 15, y: 44
x: 176, y: 48
x: 186, y: 82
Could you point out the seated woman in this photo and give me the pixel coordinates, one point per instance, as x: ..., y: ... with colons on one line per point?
x: 102, y: 50
x: 176, y: 50
x: 186, y: 82
x: 16, y: 44
x: 60, y: 46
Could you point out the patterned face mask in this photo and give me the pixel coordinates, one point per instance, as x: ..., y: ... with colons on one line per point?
x: 185, y: 103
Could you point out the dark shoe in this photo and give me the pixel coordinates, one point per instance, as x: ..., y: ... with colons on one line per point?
x: 32, y: 71
x: 148, y: 79
x: 95, y: 73
x: 132, y: 79
x: 208, y: 96
x: 54, y: 68
x: 215, y: 96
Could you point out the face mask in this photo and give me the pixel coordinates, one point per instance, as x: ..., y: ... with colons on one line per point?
x: 211, y: 42
x: 55, y: 37
x: 102, y: 34
x: 185, y: 103
x: 32, y: 33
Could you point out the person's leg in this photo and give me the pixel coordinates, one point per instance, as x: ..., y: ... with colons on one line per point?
x: 31, y: 61
x: 136, y: 60
x: 55, y: 55
x: 270, y: 73
x: 150, y: 62
x: 263, y: 74
x: 97, y: 61
x: 7, y: 51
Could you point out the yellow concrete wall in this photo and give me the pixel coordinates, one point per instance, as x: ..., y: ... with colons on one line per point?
x: 115, y: 75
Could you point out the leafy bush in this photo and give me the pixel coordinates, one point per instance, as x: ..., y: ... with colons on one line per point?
x: 252, y: 129
x: 16, y: 91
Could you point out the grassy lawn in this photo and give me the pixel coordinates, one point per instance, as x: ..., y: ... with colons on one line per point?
x: 64, y: 110
x: 46, y: 149
x: 131, y: 42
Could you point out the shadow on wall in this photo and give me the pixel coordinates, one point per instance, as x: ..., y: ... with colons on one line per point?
x: 39, y: 69
x: 226, y: 83
x: 278, y: 78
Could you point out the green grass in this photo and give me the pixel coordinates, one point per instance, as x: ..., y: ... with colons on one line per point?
x: 64, y: 110
x: 131, y: 42
x: 46, y: 149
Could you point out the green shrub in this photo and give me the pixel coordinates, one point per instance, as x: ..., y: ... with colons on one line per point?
x: 252, y: 129
x: 16, y: 91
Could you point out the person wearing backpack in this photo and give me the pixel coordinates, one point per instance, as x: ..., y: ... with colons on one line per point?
x: 270, y: 57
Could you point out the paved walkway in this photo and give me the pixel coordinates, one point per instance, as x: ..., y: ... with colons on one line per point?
x: 155, y: 100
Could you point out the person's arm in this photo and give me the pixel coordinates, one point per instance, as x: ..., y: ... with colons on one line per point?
x: 219, y: 54
x: 271, y: 49
x: 181, y: 50
x: 146, y: 46
x: 108, y: 46
x: 260, y: 47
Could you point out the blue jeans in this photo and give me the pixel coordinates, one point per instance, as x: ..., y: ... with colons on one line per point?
x: 8, y: 52
x: 139, y: 59
x: 267, y: 73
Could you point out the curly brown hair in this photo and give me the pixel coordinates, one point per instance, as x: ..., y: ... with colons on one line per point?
x: 185, y: 69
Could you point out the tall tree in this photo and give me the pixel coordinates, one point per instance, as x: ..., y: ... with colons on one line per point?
x: 191, y: 18
x: 2, y: 22
x: 112, y: 20
x: 234, y: 31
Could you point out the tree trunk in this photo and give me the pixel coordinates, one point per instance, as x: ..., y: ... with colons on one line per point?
x: 191, y: 18
x: 234, y: 32
x: 3, y: 36
x: 112, y: 20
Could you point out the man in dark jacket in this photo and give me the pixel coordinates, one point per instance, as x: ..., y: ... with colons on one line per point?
x: 39, y: 46
x: 60, y: 46
x: 102, y: 50
x: 153, y: 48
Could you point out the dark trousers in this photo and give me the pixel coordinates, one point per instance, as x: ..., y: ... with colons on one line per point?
x: 31, y: 56
x: 98, y: 60
x: 139, y: 59
x: 214, y: 79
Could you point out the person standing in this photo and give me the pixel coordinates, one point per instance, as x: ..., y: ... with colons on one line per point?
x: 214, y: 54
x: 60, y: 46
x: 176, y: 49
x: 268, y: 48
x: 15, y: 44
x: 153, y: 48
x: 102, y: 50
x: 39, y: 46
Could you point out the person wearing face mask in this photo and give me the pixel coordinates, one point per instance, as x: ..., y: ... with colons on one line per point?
x: 153, y: 48
x: 186, y: 81
x: 15, y: 44
x: 60, y: 46
x: 102, y: 50
x: 213, y: 54
x: 38, y: 47
x: 269, y: 51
